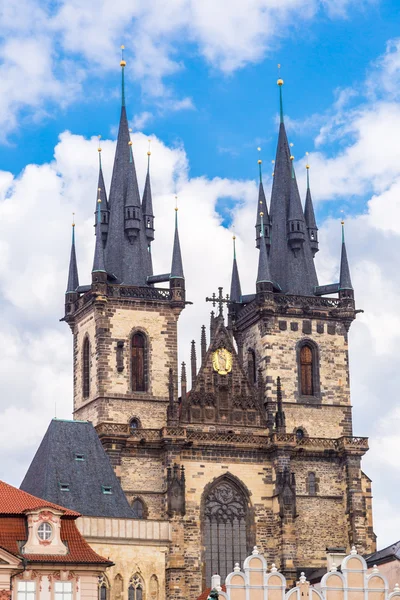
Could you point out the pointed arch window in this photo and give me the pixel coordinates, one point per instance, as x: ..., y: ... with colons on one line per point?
x: 139, y: 362
x: 135, y: 589
x: 138, y: 509
x: 86, y: 368
x: 307, y: 370
x: 104, y: 587
x: 312, y: 484
x: 226, y: 528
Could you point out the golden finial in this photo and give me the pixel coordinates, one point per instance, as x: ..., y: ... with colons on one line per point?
x: 307, y: 165
x: 259, y: 160
x: 176, y: 203
x: 130, y: 143
x: 148, y: 151
x: 273, y: 167
x: 99, y: 148
x: 342, y: 222
x: 291, y: 155
x: 73, y: 219
x: 123, y: 62
x: 99, y: 200
x: 99, y: 189
x: 280, y: 81
x: 261, y: 214
x: 234, y: 237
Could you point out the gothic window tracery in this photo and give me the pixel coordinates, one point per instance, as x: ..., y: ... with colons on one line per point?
x: 104, y: 587
x: 86, y: 368
x: 135, y: 589
x: 226, y: 528
x: 138, y: 362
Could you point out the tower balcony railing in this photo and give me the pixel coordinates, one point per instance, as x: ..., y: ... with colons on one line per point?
x: 142, y: 293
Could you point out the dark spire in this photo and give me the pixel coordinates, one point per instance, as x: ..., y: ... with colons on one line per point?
x: 309, y: 217
x: 176, y: 267
x: 262, y: 207
x: 183, y: 382
x: 212, y: 326
x: 193, y: 361
x: 291, y: 259
x: 236, y: 290
x: 147, y: 203
x: 172, y: 411
x: 102, y: 195
x: 280, y: 419
x: 73, y: 279
x: 203, y: 343
x: 127, y: 248
x: 344, y: 279
x: 264, y: 280
x: 98, y: 262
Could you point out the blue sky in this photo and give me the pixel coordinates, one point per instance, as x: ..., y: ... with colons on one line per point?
x: 201, y: 82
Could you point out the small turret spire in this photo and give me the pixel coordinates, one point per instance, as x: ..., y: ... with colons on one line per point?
x: 262, y: 207
x: 264, y: 280
x: 296, y: 234
x: 102, y: 196
x: 236, y: 290
x: 309, y: 216
x: 122, y: 65
x: 344, y: 279
x: 280, y: 420
x: 147, y: 203
x: 73, y: 279
x: 98, y: 262
x: 177, y: 266
x: 203, y: 343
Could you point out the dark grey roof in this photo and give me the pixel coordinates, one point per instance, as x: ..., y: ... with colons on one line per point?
x: 294, y: 273
x: 101, y: 193
x: 236, y: 290
x: 309, y: 214
x: 263, y: 273
x: 392, y: 552
x: 98, y: 261
x: 147, y: 202
x: 73, y: 279
x: 261, y: 207
x: 56, y: 462
x: 177, y: 266
x: 344, y: 279
x: 128, y: 260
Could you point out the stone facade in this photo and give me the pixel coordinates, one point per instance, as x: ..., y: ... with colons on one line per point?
x: 230, y: 435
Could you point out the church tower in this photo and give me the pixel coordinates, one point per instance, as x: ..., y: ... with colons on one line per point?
x: 261, y: 450
x: 124, y: 327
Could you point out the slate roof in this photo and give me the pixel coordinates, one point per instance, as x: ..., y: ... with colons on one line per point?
x: 13, y: 529
x: 73, y: 279
x: 55, y: 463
x: 344, y: 278
x: 387, y: 554
x: 176, y: 266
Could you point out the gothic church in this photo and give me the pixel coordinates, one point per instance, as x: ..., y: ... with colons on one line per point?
x: 261, y: 450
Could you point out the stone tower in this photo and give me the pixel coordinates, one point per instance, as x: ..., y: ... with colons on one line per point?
x: 261, y: 449
x: 124, y: 327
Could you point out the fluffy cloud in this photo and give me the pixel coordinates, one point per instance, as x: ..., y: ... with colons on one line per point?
x: 43, y: 44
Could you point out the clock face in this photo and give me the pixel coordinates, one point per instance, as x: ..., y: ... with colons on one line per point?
x: 222, y: 361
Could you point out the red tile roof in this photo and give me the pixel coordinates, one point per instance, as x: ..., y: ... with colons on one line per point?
x: 14, y: 530
x: 15, y: 502
x: 204, y: 595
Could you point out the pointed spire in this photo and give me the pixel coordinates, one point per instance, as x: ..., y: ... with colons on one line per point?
x: 98, y: 262
x: 344, y: 279
x: 193, y: 361
x: 236, y: 290
x: 147, y: 203
x: 262, y: 207
x: 264, y: 280
x: 203, y: 343
x: 127, y: 256
x: 122, y: 65
x: 309, y: 216
x: 280, y: 84
x: 102, y: 196
x: 176, y: 267
x: 183, y: 382
x: 296, y: 225
x: 73, y: 279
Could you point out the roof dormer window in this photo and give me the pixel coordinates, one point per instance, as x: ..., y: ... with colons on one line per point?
x: 45, y: 531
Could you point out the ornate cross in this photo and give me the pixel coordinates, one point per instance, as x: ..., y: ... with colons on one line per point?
x: 220, y: 300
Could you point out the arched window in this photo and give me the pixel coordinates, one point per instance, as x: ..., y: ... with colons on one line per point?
x: 134, y: 425
x: 251, y: 365
x: 135, y: 589
x: 138, y: 362
x: 306, y: 370
x: 299, y: 434
x: 226, y: 531
x: 86, y: 368
x: 312, y: 484
x: 138, y: 509
x: 103, y: 588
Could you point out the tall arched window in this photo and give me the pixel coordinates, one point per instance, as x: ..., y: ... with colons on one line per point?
x: 251, y: 365
x: 226, y: 531
x: 135, y: 589
x: 306, y: 370
x: 138, y: 362
x: 103, y: 588
x: 312, y: 484
x: 86, y: 368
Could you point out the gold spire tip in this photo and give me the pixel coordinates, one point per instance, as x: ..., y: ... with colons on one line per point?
x: 259, y: 149
x: 122, y: 63
x: 291, y: 157
x: 73, y: 219
x: 234, y: 237
x: 342, y: 222
x: 129, y: 143
x: 99, y: 200
x: 261, y: 214
x: 280, y: 82
x: 307, y: 166
x: 259, y: 161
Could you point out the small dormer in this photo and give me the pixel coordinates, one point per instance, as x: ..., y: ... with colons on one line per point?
x: 44, y: 532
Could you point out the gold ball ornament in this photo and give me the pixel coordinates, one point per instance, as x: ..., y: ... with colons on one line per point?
x: 122, y: 63
x: 280, y: 82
